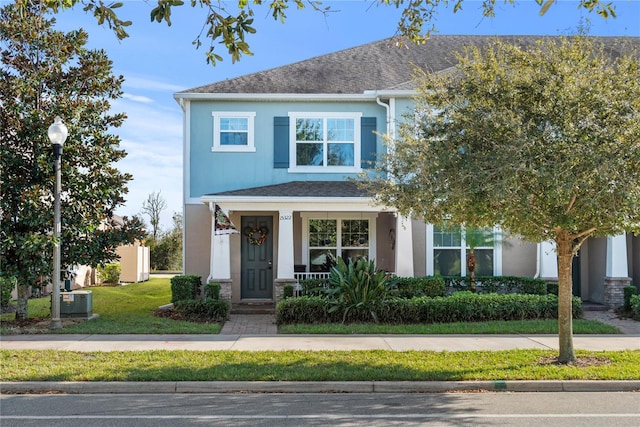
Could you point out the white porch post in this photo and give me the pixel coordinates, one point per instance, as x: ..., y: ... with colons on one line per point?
x: 220, y: 261
x: 548, y: 267
x: 285, y: 253
x: 404, y: 247
x: 616, y: 272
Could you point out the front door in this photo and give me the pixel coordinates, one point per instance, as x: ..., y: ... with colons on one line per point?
x: 257, y: 257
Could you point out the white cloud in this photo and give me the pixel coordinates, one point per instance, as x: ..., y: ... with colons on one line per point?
x: 137, y: 98
x: 137, y: 81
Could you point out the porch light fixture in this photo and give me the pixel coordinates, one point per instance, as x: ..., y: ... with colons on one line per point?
x: 57, y: 135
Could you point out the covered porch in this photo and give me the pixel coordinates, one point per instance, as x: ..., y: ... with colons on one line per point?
x: 294, y: 231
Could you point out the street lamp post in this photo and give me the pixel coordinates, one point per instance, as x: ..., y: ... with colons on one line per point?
x: 57, y: 135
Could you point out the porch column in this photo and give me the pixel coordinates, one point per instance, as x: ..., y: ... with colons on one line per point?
x: 548, y: 267
x: 220, y: 261
x: 285, y: 254
x: 616, y: 272
x: 404, y: 246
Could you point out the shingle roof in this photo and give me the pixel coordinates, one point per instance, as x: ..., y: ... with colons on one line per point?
x: 301, y: 189
x: 380, y: 65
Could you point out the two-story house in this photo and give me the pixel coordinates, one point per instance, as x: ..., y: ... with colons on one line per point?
x: 274, y: 149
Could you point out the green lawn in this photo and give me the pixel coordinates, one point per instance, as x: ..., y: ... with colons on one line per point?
x: 374, y: 365
x: 123, y: 310
x: 129, y: 310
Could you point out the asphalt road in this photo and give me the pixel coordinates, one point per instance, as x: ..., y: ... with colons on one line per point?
x: 442, y: 409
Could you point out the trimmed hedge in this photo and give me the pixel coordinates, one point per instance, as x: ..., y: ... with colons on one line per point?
x: 634, y: 302
x: 207, y: 309
x: 498, y: 285
x: 430, y: 286
x: 629, y: 291
x: 110, y: 273
x: 212, y: 290
x: 185, y: 288
x: 459, y: 307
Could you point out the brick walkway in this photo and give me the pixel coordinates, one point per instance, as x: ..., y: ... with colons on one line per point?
x: 250, y: 324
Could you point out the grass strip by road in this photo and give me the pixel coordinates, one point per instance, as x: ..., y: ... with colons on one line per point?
x: 527, y: 327
x: 373, y: 365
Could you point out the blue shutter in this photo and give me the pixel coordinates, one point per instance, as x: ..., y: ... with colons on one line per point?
x: 368, y: 141
x: 281, y: 142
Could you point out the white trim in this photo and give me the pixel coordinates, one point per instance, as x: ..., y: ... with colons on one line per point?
x: 355, y: 116
x: 218, y: 147
x: 367, y: 96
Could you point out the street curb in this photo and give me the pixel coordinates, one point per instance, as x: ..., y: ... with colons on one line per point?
x: 166, y: 387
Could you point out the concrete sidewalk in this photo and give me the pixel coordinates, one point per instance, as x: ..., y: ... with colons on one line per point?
x: 92, y: 342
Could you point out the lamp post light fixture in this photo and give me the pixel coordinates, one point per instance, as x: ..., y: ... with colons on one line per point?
x: 57, y: 135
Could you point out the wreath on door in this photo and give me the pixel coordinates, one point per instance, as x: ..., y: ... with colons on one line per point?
x: 256, y: 236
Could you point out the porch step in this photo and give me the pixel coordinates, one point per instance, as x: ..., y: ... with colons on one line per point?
x: 593, y: 306
x: 253, y: 308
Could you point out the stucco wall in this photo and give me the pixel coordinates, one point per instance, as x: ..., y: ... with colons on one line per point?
x: 519, y: 258
x: 197, y: 243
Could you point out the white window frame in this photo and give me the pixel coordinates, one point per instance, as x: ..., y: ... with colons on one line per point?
x: 250, y: 116
x: 356, y: 168
x: 306, y: 216
x: 497, y: 251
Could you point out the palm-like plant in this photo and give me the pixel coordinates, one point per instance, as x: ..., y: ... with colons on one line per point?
x: 475, y: 238
x: 357, y: 285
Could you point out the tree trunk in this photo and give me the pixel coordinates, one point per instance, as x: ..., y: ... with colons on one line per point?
x: 565, y: 296
x: 471, y: 268
x: 22, y: 311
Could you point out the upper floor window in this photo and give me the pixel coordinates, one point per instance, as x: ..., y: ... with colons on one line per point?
x: 325, y: 142
x: 233, y: 131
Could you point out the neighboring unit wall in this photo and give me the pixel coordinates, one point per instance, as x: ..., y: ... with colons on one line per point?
x: 197, y: 240
x: 134, y: 263
x: 597, y: 264
x: 519, y: 258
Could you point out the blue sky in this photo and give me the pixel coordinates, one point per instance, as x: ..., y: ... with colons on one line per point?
x: 157, y: 61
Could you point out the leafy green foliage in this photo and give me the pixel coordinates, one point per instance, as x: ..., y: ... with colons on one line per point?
x: 357, y: 286
x: 212, y: 290
x: 634, y: 302
x: 409, y: 287
x: 499, y: 284
x: 229, y: 25
x: 629, y: 291
x: 459, y: 307
x: 110, y: 273
x: 185, y: 287
x: 207, y: 309
x: 540, y: 138
x: 47, y: 73
x: 7, y: 285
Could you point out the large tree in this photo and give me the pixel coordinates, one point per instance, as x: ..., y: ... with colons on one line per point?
x: 229, y: 22
x: 44, y: 74
x: 542, y: 138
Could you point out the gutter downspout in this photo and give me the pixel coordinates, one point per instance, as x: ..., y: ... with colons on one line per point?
x: 538, y: 249
x: 212, y: 209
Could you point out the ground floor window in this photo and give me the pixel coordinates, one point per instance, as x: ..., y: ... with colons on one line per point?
x: 330, y: 238
x: 448, y: 248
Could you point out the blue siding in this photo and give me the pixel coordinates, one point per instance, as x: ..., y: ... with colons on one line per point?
x: 213, y: 172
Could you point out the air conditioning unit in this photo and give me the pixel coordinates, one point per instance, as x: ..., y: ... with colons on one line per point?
x: 76, y: 304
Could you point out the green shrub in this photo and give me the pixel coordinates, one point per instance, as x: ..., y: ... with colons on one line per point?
x: 109, y: 273
x: 357, y: 285
x: 185, y: 288
x: 314, y: 286
x: 207, y: 309
x: 459, y: 307
x: 629, y: 291
x: 287, y: 291
x: 552, y: 288
x: 212, y: 290
x: 635, y: 306
x: 7, y: 284
x: 430, y: 286
x: 498, y: 285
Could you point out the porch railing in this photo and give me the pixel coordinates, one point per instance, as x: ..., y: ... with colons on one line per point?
x: 307, y: 276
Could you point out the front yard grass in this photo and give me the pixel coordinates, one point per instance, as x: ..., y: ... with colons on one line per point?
x: 124, y: 309
x: 373, y: 365
x: 129, y: 310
